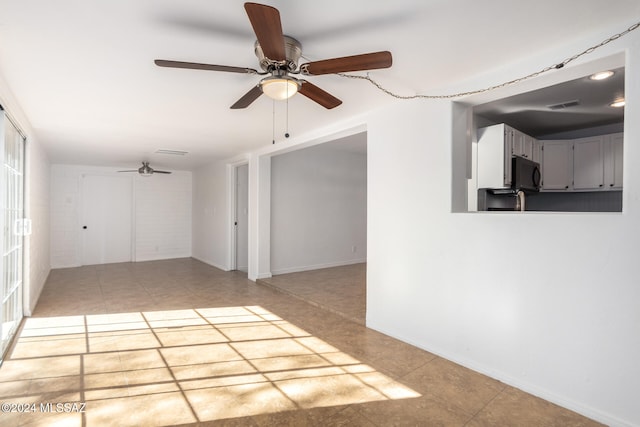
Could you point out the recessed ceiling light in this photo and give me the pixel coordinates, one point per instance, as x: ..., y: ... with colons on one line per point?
x: 601, y: 75
x: 617, y: 103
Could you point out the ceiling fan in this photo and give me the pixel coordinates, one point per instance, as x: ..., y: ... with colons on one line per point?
x: 278, y: 56
x: 146, y: 170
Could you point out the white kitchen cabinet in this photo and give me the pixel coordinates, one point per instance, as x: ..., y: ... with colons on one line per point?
x: 497, y: 144
x: 521, y: 144
x: 584, y: 164
x: 588, y: 163
x: 557, y: 165
x: 494, y: 156
x: 613, y: 150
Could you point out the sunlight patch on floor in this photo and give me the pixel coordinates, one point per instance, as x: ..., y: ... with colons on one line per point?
x: 181, y: 366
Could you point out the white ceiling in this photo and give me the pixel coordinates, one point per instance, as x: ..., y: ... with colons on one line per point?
x: 83, y: 72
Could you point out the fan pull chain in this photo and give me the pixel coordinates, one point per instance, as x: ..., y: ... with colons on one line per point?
x: 286, y: 131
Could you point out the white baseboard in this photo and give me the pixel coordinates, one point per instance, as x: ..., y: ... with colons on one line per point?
x: 160, y: 257
x: 211, y: 263
x: 58, y: 266
x: 317, y: 266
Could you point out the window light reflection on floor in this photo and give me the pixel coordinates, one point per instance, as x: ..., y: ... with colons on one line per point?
x: 182, y: 366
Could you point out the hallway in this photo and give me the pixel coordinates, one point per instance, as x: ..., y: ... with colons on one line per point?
x: 178, y: 342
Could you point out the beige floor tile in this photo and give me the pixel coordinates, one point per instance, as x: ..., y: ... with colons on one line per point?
x: 270, y: 348
x: 328, y: 390
x: 199, y: 354
x: 454, y: 386
x: 514, y: 407
x: 213, y: 370
x: 152, y: 409
x: 254, y: 332
x: 348, y: 417
x: 141, y: 360
x: 43, y: 367
x: 184, y: 336
x: 49, y: 346
x: 421, y: 411
x: 238, y: 401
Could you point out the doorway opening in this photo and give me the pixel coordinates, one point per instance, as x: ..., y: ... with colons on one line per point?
x: 318, y: 237
x: 568, y: 130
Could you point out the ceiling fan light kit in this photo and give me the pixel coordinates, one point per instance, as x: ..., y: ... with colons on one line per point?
x: 279, y: 87
x: 278, y: 56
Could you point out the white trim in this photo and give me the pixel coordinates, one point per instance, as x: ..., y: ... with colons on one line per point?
x: 163, y: 257
x: 211, y: 263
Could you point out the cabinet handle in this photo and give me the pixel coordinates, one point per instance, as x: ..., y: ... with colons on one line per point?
x: 600, y: 185
x: 610, y: 185
x: 566, y: 188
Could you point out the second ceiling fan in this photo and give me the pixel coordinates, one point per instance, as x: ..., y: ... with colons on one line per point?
x: 278, y: 55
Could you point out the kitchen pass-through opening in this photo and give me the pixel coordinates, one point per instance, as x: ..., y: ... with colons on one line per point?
x: 558, y: 148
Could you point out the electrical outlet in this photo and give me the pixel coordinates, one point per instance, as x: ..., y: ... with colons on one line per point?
x: 354, y: 249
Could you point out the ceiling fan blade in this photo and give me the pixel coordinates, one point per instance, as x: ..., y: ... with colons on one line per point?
x: 135, y: 170
x: 248, y: 98
x: 265, y: 21
x: 318, y: 95
x: 207, y: 67
x: 157, y: 171
x: 366, y: 61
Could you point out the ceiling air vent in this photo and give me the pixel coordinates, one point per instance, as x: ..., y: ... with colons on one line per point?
x: 173, y: 152
x: 563, y: 105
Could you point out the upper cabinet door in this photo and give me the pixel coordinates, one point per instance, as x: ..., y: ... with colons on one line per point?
x: 613, y: 154
x: 557, y: 165
x: 588, y: 163
x: 537, y: 151
x: 521, y: 144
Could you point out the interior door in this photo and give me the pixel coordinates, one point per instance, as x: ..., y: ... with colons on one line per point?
x: 12, y: 230
x: 242, y: 218
x: 106, y: 219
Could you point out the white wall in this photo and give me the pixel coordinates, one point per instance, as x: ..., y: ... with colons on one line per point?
x: 211, y: 218
x: 318, y: 208
x: 547, y: 302
x: 37, y: 180
x: 162, y: 214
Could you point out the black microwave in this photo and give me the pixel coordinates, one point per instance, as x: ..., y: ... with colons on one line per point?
x: 525, y: 174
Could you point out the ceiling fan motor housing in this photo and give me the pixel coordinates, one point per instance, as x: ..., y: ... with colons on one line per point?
x: 293, y: 51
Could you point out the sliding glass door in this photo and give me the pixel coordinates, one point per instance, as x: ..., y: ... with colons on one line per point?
x: 12, y: 229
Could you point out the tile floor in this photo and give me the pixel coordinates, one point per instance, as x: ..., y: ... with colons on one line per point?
x: 342, y: 290
x: 181, y: 343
